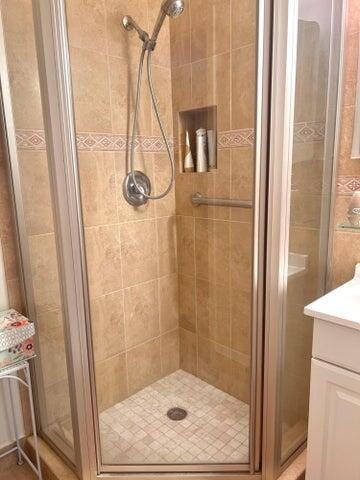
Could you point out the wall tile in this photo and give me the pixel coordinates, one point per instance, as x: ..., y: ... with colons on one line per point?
x: 170, y: 353
x: 57, y: 402
x: 141, y: 313
x: 166, y: 234
x: 162, y: 86
x: 351, y: 66
x: 188, y: 351
x: 184, y: 189
x: 111, y: 386
x: 6, y: 221
x: 240, y: 320
x: 103, y: 259
x: 213, y: 311
x: 22, y: 63
x: 347, y: 165
x: 50, y: 327
x: 240, y: 256
x: 138, y: 252
x: 181, y: 87
x: 107, y: 324
x: 180, y: 47
x: 98, y: 188
x: 164, y: 207
x: 187, y: 302
x: 144, y: 365
x: 86, y: 24
x: 243, y: 87
x: 91, y: 91
x: 35, y: 187
x: 186, y: 245
x: 123, y: 80
x: 169, y: 303
x: 243, y: 23
x: 44, y: 272
x: 212, y: 250
x: 353, y: 17
x: 210, y: 28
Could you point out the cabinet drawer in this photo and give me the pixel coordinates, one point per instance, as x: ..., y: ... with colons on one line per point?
x: 337, y: 344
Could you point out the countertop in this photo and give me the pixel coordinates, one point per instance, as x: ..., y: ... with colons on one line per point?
x: 340, y: 306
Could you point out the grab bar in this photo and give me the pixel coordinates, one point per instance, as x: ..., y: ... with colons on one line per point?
x: 198, y: 199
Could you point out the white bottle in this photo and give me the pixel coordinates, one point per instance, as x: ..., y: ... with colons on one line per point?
x: 211, y: 141
x: 201, y: 147
x: 188, y: 160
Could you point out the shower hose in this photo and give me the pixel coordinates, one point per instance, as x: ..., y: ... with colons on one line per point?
x: 134, y: 127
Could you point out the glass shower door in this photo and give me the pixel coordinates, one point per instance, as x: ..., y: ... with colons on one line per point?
x: 170, y: 283
x: 317, y: 74
x: 28, y: 156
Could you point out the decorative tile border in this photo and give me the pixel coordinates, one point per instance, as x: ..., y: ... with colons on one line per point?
x: 236, y: 138
x: 305, y: 132
x: 112, y: 142
x: 35, y: 140
x: 308, y: 132
x: 347, y: 184
x: 31, y: 139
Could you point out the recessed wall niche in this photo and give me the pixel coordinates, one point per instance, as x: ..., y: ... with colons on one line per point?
x: 190, y: 121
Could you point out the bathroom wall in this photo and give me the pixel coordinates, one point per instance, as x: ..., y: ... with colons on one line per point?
x: 35, y: 189
x: 131, y: 252
x: 213, y: 63
x: 346, y: 243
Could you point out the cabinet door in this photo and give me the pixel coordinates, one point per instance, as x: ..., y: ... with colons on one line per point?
x: 334, y: 424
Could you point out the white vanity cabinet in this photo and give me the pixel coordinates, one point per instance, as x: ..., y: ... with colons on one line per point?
x: 333, y: 451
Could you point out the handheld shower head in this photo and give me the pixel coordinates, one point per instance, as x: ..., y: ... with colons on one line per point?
x: 171, y: 8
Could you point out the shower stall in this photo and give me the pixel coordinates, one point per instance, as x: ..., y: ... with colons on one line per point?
x: 169, y: 303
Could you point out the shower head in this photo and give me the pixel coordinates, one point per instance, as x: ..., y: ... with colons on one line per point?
x: 171, y: 8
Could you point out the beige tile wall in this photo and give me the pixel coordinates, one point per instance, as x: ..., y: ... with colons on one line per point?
x: 213, y: 63
x: 347, y: 241
x: 131, y: 252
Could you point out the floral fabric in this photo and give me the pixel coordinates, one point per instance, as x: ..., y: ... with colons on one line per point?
x: 16, y: 338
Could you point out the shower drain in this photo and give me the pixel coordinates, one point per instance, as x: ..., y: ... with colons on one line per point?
x: 177, y: 413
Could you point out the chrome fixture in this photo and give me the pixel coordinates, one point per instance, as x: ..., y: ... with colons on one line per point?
x: 134, y: 192
x: 170, y: 8
x: 198, y: 199
x: 136, y: 185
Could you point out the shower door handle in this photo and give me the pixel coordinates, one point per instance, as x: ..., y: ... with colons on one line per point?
x: 198, y: 199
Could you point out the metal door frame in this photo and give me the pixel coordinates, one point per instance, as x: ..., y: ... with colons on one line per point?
x: 55, y: 78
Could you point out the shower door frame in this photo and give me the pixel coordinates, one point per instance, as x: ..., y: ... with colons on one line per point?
x: 55, y: 78
x: 285, y: 44
x: 11, y: 156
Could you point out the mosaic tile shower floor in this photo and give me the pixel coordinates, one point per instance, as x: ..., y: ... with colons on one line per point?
x: 138, y: 431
